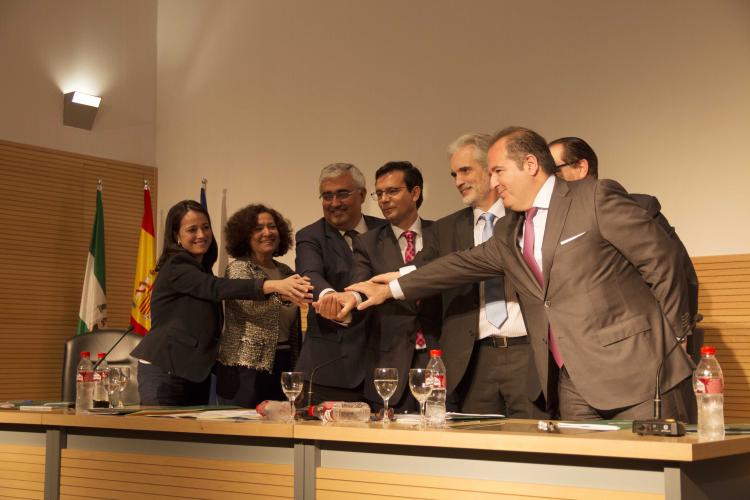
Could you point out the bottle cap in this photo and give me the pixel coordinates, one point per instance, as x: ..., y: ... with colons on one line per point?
x: 85, y: 354
x: 435, y: 353
x: 707, y: 349
x: 101, y: 355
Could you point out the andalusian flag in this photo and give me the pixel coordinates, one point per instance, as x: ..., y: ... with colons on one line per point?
x: 93, y: 312
x: 140, y: 311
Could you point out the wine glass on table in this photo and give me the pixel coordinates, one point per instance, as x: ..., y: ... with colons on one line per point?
x: 420, y: 384
x: 386, y: 381
x: 291, y: 384
x: 112, y: 382
x: 124, y: 381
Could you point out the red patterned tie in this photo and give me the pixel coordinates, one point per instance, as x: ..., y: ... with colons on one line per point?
x: 409, y: 253
x: 528, y: 256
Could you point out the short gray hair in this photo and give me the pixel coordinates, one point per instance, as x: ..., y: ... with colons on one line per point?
x: 338, y: 169
x: 481, y: 143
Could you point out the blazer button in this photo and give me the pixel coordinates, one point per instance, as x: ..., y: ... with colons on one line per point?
x: 547, y: 303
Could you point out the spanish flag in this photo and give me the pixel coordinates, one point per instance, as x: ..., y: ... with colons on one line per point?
x: 140, y: 311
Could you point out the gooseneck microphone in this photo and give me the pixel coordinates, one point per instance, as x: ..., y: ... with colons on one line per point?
x: 659, y: 426
x: 99, y: 361
x: 315, y: 369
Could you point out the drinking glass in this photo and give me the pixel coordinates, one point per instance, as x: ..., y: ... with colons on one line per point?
x: 291, y: 384
x: 112, y: 382
x: 124, y: 381
x: 386, y: 381
x: 420, y: 384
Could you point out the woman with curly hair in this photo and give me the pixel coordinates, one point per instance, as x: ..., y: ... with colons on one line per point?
x: 261, y: 339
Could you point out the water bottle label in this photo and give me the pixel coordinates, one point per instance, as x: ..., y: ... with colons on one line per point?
x: 705, y: 385
x: 79, y: 377
x: 437, y: 381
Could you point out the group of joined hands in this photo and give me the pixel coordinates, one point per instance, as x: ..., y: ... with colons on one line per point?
x: 336, y: 306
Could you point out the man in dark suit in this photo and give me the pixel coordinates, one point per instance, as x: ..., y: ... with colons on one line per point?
x: 581, y: 256
x: 324, y: 254
x: 488, y: 361
x: 576, y: 160
x: 399, y: 334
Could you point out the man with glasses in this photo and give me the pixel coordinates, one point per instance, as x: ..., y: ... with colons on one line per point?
x: 324, y: 254
x: 576, y: 160
x: 399, y: 334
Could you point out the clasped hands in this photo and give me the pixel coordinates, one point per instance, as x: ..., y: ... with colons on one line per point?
x: 295, y: 289
x: 337, y: 306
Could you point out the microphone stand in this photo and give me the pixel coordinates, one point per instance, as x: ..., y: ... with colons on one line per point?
x: 124, y: 334
x: 659, y: 426
x: 315, y: 369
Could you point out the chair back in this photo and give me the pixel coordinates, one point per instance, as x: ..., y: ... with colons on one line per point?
x: 96, y: 342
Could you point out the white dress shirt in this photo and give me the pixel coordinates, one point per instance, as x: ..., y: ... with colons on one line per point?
x: 513, y: 326
x: 418, y: 241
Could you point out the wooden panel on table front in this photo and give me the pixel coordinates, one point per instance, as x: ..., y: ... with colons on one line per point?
x: 21, y: 471
x: 335, y: 484
x: 49, y: 199
x: 724, y: 301
x: 95, y: 474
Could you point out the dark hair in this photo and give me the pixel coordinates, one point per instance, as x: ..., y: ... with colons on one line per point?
x: 172, y: 228
x: 412, y: 175
x: 242, y: 224
x: 522, y: 141
x: 575, y: 149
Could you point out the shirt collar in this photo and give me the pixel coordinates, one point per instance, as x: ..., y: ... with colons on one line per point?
x: 416, y: 227
x: 544, y: 196
x: 361, y: 226
x: 497, y: 209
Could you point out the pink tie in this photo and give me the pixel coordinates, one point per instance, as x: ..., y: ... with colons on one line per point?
x: 528, y: 256
x: 409, y: 253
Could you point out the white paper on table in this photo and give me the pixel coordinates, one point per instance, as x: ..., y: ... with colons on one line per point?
x: 242, y: 414
x: 588, y: 427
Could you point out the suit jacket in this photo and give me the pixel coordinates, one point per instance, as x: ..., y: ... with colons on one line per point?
x: 653, y: 207
x: 324, y: 257
x: 600, y: 250
x: 392, y: 327
x: 186, y: 317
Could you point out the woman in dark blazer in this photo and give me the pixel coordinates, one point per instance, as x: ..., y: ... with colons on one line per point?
x: 179, y: 352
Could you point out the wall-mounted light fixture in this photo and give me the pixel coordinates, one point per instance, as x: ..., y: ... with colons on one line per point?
x: 79, y: 109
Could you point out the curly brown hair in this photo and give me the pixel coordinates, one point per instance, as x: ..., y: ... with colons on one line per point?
x: 242, y: 223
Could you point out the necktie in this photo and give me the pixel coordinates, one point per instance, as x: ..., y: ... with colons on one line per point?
x: 349, y: 237
x: 528, y: 256
x: 409, y: 253
x: 494, y: 289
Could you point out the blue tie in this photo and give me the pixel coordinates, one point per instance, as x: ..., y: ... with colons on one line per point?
x: 494, y: 289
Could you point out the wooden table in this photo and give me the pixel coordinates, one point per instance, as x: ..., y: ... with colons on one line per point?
x: 43, y: 455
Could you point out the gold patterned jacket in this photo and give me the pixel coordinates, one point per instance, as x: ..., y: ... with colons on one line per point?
x: 251, y: 327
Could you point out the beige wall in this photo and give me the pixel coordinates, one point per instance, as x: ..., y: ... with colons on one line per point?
x: 257, y: 96
x: 102, y: 47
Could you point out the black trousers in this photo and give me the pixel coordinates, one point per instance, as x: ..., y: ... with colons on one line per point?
x: 246, y: 387
x: 159, y: 388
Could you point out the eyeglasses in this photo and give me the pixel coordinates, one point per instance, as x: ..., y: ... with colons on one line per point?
x: 566, y: 164
x: 341, y: 194
x: 390, y: 193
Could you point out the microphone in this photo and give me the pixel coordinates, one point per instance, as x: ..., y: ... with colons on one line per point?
x: 659, y: 426
x: 98, y: 362
x: 315, y: 369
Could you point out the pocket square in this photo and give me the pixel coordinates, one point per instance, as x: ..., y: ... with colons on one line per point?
x: 568, y: 240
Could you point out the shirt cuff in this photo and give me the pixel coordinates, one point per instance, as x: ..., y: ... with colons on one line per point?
x: 403, y: 271
x: 396, y: 291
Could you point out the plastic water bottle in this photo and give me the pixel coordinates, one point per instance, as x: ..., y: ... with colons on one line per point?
x: 435, y: 405
x: 100, y: 394
x: 341, y: 411
x: 84, y: 383
x: 708, y: 384
x: 274, y: 410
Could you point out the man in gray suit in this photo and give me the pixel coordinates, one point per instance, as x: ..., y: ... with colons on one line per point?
x: 580, y: 256
x: 486, y: 349
x: 576, y: 160
x: 324, y: 254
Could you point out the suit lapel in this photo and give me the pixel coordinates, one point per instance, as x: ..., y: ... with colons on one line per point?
x: 338, y: 244
x: 464, y: 232
x: 558, y: 212
x: 389, y: 248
